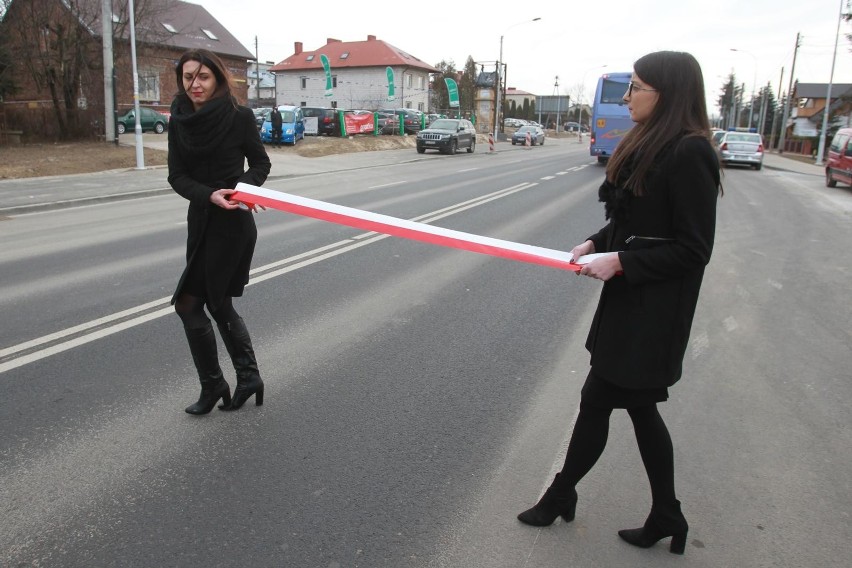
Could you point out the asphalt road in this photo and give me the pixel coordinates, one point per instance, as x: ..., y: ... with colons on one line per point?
x: 417, y: 397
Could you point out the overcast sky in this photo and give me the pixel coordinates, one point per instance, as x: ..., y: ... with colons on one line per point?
x: 570, y: 41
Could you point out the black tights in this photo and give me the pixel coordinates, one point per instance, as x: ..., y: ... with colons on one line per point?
x: 655, y: 446
x: 191, y: 311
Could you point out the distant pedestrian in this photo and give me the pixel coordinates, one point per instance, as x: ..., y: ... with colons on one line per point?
x: 659, y: 195
x: 277, y: 126
x: 210, y: 140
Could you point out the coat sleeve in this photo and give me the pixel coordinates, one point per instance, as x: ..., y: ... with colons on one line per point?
x: 692, y: 184
x: 255, y: 153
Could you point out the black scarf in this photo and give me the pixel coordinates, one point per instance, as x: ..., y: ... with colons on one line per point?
x: 615, y: 197
x: 199, y: 132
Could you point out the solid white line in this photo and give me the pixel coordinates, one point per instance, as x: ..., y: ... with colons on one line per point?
x: 260, y: 274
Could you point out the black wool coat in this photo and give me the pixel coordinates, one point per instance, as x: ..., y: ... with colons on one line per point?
x: 208, y: 150
x: 664, y: 239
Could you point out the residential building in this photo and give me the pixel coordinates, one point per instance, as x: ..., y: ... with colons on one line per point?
x: 808, y: 110
x: 261, y: 84
x: 357, y: 77
x: 518, y: 97
x: 61, y: 93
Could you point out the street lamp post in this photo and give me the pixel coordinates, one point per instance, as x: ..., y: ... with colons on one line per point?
x: 500, y: 78
x: 751, y: 106
x: 822, y: 135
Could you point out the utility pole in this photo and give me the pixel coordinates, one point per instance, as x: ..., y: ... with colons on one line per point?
x: 109, y: 95
x: 789, y: 96
x: 257, y: 72
x: 822, y: 135
x: 775, y: 114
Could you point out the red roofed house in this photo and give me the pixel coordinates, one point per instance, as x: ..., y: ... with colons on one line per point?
x: 358, y: 75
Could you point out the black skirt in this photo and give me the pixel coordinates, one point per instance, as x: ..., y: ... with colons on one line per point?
x: 600, y: 393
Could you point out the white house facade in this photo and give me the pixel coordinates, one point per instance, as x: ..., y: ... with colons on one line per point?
x: 358, y: 75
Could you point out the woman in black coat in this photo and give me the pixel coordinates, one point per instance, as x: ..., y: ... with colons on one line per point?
x: 210, y: 140
x: 660, y: 196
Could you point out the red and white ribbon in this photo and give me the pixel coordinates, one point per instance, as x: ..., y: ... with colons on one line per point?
x: 251, y: 195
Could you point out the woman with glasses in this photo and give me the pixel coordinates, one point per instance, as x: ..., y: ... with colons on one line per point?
x: 659, y: 197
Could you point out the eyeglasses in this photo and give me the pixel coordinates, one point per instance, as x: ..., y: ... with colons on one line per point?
x: 633, y: 87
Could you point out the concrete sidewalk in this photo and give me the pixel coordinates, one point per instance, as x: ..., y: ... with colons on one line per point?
x: 775, y: 161
x: 27, y: 195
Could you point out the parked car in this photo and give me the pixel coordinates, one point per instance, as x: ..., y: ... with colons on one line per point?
x: 838, y: 168
x: 536, y: 135
x: 260, y: 115
x: 328, y: 122
x: 745, y: 148
x: 574, y: 127
x: 716, y: 136
x: 447, y: 135
x: 292, y: 125
x: 388, y: 123
x: 412, y: 119
x: 149, y: 118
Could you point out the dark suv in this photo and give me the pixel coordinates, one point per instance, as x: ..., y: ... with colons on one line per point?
x: 447, y: 135
x: 327, y: 119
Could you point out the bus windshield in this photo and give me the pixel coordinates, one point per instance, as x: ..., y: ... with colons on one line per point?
x: 612, y: 92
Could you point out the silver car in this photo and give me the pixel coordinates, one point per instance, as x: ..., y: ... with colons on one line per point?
x: 745, y: 148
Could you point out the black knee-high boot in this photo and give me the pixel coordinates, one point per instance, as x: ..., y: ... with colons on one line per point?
x: 238, y: 343
x: 202, y: 345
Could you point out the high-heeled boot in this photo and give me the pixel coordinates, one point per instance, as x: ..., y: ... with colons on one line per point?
x: 556, y: 501
x: 202, y: 345
x: 661, y: 523
x: 238, y: 343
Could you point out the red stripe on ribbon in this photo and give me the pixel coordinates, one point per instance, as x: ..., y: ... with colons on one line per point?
x: 385, y: 224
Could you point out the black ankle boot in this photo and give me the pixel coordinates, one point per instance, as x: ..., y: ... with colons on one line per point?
x: 661, y: 523
x: 238, y: 343
x: 202, y: 345
x: 556, y: 501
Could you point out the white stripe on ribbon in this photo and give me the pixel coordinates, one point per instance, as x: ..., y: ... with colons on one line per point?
x: 252, y: 195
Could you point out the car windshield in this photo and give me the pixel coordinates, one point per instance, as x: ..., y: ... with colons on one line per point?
x: 444, y: 124
x: 526, y: 129
x: 288, y: 116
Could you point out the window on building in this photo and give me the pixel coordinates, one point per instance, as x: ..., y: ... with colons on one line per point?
x: 149, y: 85
x: 303, y: 82
x: 309, y: 57
x: 334, y: 81
x: 409, y: 81
x: 420, y: 82
x: 344, y: 55
x: 209, y: 34
x: 421, y: 107
x: 168, y: 27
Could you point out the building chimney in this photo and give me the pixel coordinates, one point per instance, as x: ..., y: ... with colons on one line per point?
x: 331, y: 40
x: 298, y: 47
x: 371, y: 38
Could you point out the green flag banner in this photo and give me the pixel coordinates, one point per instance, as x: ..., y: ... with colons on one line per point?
x: 452, y: 92
x: 327, y: 68
x: 390, y: 84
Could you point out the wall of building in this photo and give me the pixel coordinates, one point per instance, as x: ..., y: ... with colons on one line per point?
x: 357, y: 88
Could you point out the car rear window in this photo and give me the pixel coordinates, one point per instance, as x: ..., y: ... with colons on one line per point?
x: 744, y: 137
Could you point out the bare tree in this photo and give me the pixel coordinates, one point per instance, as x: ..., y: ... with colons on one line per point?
x: 58, y: 42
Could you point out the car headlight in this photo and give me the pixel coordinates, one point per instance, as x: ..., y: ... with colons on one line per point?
x: 288, y: 131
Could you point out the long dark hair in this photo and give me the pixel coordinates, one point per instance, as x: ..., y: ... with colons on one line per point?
x: 680, y: 110
x: 224, y: 82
